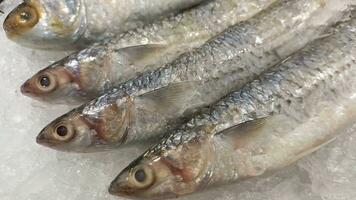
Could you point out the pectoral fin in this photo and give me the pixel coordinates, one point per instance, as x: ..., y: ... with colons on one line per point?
x: 171, y: 98
x: 313, y: 148
x: 241, y: 134
x: 142, y: 54
x: 245, y: 127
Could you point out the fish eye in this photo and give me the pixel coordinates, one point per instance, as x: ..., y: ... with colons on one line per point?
x: 27, y: 15
x: 22, y: 18
x: 142, y: 177
x: 46, y: 82
x: 63, y: 132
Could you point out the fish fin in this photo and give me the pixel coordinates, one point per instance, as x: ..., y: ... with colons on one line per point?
x: 140, y: 54
x: 240, y: 134
x: 325, y: 34
x: 169, y: 98
x: 313, y: 148
x: 245, y: 127
x: 299, y: 155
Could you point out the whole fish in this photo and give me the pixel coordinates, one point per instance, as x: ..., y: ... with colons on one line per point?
x: 148, y: 105
x: 268, y: 124
x: 70, y: 24
x: 89, y: 73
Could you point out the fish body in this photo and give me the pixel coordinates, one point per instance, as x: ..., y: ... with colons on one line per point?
x: 146, y: 106
x: 280, y: 117
x: 91, y: 72
x: 71, y: 24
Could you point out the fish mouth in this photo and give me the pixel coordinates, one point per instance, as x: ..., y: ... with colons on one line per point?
x: 115, y: 189
x: 25, y: 88
x: 119, y: 187
x: 41, y: 139
x: 121, y: 190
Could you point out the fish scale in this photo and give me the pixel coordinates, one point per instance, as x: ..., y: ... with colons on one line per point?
x: 272, y: 83
x: 216, y: 11
x: 69, y: 24
x: 161, y: 99
x: 266, y: 125
x: 113, y: 61
x: 327, y: 84
x: 237, y: 44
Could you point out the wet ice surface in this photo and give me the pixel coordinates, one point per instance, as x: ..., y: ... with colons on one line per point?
x: 31, y: 172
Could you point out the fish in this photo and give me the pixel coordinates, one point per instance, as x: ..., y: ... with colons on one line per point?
x: 289, y: 112
x: 91, y: 72
x: 74, y: 24
x: 145, y: 107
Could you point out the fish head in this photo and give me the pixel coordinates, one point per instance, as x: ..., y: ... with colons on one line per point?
x: 74, y: 79
x: 46, y: 24
x: 163, y: 172
x: 52, y: 84
x: 88, y: 128
x: 66, y: 133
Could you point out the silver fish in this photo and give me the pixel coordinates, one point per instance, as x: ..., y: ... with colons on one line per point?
x: 148, y: 105
x: 70, y: 24
x: 268, y: 124
x: 88, y: 73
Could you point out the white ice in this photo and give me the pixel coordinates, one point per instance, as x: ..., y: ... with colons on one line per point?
x: 32, y: 172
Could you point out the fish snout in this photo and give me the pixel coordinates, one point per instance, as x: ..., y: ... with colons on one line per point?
x: 25, y: 88
x: 9, y: 26
x: 113, y: 188
x: 119, y: 186
x: 41, y: 139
